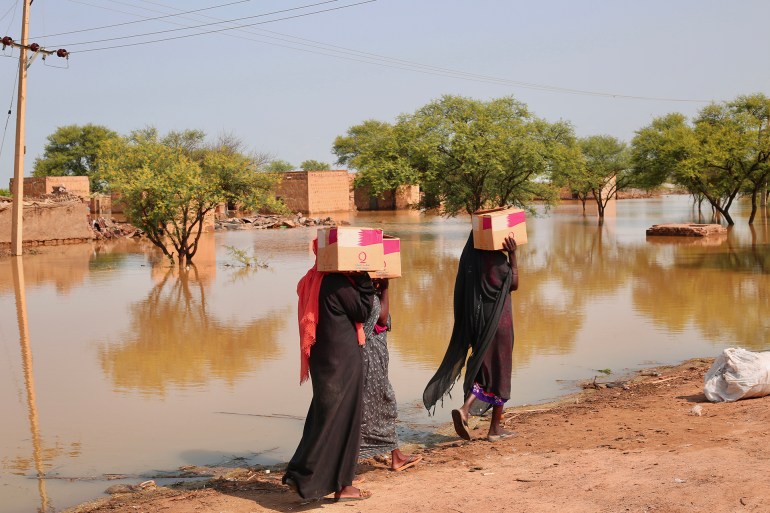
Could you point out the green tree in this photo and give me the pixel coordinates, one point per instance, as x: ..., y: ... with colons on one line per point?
x: 473, y: 154
x: 606, y: 169
x: 724, y: 152
x: 170, y: 184
x: 753, y: 113
x: 5, y: 192
x: 279, y: 166
x: 378, y: 151
x: 73, y: 151
x: 314, y: 165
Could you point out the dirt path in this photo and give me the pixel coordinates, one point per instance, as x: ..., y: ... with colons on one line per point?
x: 656, y: 445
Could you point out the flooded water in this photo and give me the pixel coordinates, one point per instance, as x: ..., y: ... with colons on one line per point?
x: 113, y: 365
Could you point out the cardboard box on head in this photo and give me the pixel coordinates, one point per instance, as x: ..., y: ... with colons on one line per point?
x: 392, y: 249
x: 491, y: 227
x: 349, y: 248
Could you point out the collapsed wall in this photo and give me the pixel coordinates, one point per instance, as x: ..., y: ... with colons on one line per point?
x: 48, y: 222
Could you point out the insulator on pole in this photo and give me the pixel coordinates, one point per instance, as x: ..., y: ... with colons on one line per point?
x: 34, y: 47
x: 61, y: 52
x: 7, y: 41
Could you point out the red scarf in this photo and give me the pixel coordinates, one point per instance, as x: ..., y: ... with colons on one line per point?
x: 308, y: 290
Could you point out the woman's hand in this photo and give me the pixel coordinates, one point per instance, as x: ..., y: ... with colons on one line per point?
x: 509, y: 244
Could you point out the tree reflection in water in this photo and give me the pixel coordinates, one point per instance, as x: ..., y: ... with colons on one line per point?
x: 174, y: 341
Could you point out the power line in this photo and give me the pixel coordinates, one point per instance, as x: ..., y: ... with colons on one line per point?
x: 144, y: 20
x: 343, y: 53
x: 13, y: 8
x: 157, y: 32
x: 10, y: 109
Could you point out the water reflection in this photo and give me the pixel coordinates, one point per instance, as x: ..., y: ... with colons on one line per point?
x: 22, y: 464
x: 717, y: 288
x: 134, y: 339
x: 173, y: 339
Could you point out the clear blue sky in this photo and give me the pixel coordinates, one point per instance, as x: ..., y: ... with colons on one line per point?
x: 289, y: 87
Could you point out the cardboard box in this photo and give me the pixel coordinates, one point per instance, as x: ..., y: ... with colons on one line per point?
x: 349, y: 248
x: 392, y: 249
x: 491, y: 227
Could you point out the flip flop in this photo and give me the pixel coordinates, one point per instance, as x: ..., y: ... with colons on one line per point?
x: 411, y: 462
x: 461, y: 427
x: 362, y: 495
x: 497, y: 438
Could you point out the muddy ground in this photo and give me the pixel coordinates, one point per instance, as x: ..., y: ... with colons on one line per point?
x: 653, y: 445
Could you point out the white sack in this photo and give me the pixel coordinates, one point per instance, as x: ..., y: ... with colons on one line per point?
x: 738, y: 374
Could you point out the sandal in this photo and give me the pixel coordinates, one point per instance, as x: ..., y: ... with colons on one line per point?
x: 461, y: 425
x: 413, y: 460
x: 362, y: 495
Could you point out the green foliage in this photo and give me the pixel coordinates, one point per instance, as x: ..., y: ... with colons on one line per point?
x: 279, y: 166
x: 475, y: 154
x: 380, y: 154
x: 244, y: 258
x: 606, y: 372
x: 73, y: 151
x: 170, y: 184
x: 314, y: 165
x: 724, y: 151
x: 605, y: 170
x: 5, y: 192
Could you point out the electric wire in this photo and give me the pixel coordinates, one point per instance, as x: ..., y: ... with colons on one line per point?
x: 219, y: 30
x: 158, y: 32
x: 406, y: 65
x: 145, y: 19
x: 343, y: 52
x: 10, y: 22
x: 10, y: 109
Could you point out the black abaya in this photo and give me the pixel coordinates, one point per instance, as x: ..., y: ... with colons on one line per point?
x: 325, y: 460
x: 482, y: 323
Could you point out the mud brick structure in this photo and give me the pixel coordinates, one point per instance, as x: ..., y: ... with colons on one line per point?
x: 42, y: 186
x: 48, y: 223
x: 313, y: 192
x: 401, y: 198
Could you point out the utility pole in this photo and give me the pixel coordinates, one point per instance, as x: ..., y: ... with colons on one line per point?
x: 18, y: 163
x: 21, y: 105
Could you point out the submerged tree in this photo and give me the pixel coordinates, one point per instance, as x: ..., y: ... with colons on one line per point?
x: 605, y: 170
x: 169, y: 185
x: 723, y: 153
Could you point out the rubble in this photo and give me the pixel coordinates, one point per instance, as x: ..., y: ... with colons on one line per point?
x: 686, y: 230
x: 262, y: 222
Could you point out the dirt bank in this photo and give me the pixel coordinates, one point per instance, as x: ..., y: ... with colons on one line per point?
x: 653, y: 445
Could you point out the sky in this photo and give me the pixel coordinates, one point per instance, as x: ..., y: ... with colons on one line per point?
x: 288, y: 76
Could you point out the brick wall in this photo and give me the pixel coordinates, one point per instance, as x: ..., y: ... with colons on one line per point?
x: 328, y: 191
x: 293, y: 191
x: 402, y: 198
x: 36, y: 187
x: 48, y: 222
x: 313, y: 192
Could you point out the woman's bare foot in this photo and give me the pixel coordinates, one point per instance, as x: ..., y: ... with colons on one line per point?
x: 460, y: 421
x: 400, y: 461
x: 499, y: 433
x: 349, y: 493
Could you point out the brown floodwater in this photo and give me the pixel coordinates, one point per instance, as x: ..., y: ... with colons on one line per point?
x: 112, y: 363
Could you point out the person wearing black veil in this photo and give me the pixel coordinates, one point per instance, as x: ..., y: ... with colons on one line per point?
x: 483, y: 323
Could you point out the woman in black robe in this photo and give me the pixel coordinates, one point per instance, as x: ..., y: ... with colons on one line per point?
x: 325, y: 460
x: 483, y: 323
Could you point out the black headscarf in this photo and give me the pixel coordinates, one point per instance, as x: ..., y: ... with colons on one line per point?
x: 477, y: 308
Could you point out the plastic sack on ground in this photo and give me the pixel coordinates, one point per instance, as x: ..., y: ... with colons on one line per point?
x: 738, y: 374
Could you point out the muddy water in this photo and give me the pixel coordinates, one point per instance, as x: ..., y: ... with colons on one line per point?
x: 113, y: 364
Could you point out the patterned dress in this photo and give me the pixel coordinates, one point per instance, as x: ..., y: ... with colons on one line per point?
x: 378, y: 422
